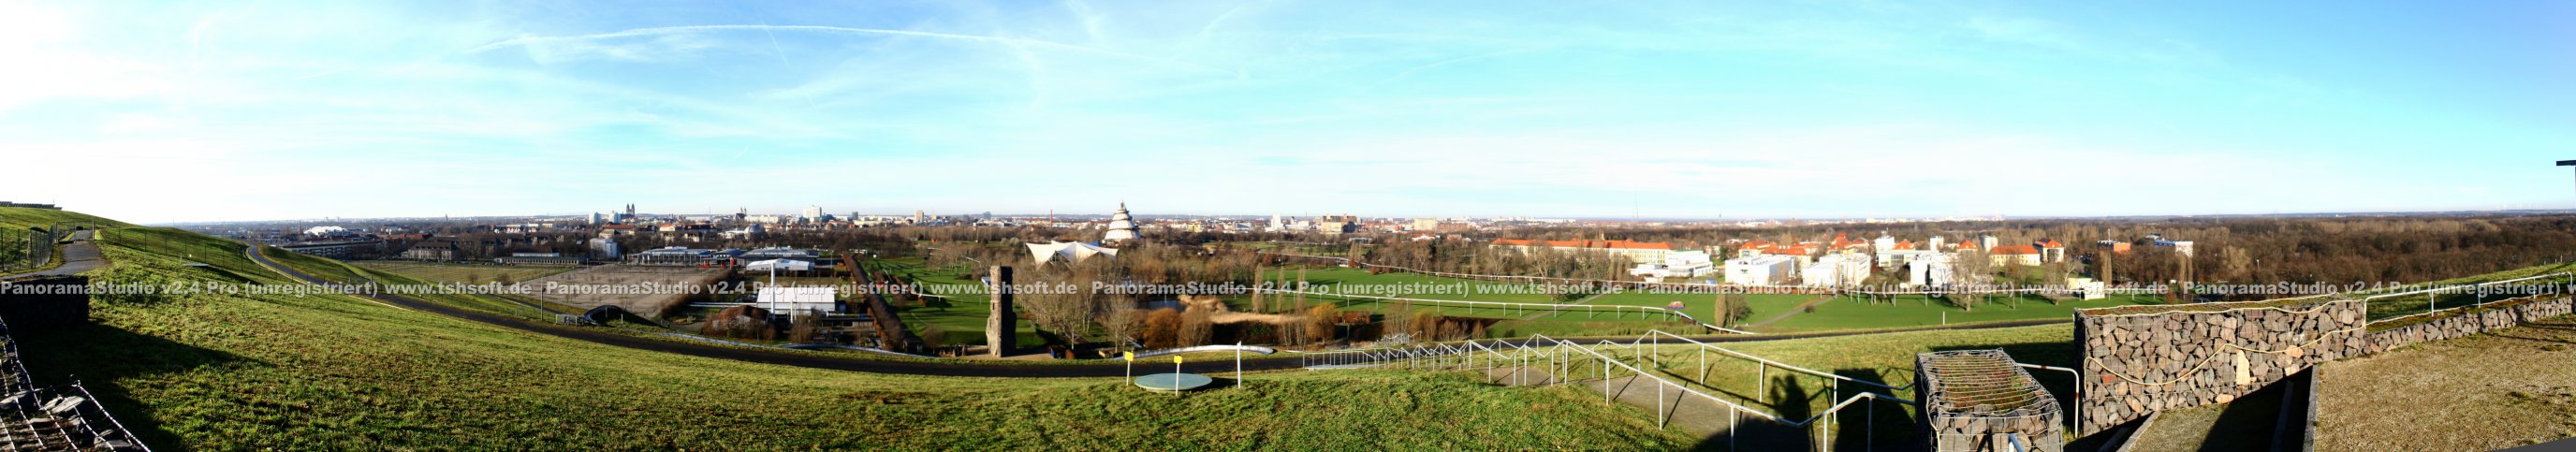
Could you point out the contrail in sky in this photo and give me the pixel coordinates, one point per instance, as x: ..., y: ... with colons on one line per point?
x: 525, y: 40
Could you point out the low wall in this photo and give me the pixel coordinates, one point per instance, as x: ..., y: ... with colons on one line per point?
x: 42, y: 303
x: 2144, y: 359
x: 2497, y: 316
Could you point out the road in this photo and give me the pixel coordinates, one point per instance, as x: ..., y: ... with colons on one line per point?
x: 81, y: 255
x: 905, y: 367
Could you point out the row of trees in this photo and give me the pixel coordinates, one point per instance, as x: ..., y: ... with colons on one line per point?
x: 1478, y: 257
x: 2228, y: 249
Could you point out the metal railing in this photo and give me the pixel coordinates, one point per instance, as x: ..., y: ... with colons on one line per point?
x: 1617, y: 367
x: 2432, y: 298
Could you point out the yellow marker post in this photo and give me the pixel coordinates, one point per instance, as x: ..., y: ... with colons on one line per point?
x: 1176, y: 376
x: 1130, y: 357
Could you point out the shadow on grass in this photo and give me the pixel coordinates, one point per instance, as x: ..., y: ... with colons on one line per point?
x: 104, y: 357
x: 1791, y: 399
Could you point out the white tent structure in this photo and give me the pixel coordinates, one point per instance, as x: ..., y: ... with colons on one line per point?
x: 785, y: 265
x: 1069, y: 252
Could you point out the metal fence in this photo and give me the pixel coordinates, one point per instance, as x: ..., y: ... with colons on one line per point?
x: 1677, y: 368
x: 25, y: 250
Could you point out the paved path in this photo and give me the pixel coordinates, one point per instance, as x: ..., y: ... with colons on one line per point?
x: 912, y: 366
x: 81, y: 255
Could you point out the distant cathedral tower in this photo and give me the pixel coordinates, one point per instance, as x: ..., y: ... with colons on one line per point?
x: 1122, y: 228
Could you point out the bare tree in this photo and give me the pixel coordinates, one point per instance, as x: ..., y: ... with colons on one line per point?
x: 1968, y: 271
x: 1121, y: 322
x: 1197, y: 328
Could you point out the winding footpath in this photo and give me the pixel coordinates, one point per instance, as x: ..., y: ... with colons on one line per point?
x: 953, y: 368
x: 81, y: 255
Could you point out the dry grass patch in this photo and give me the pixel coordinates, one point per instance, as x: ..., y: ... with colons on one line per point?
x: 2501, y: 389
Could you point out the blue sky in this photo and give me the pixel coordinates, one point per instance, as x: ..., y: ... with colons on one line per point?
x: 264, y: 110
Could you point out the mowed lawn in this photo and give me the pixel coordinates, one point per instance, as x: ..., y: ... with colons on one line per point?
x: 260, y: 371
x: 961, y: 317
x: 958, y: 316
x: 1353, y: 281
x: 461, y: 273
x: 1851, y: 313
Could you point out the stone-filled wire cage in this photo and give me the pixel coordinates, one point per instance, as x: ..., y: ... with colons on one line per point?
x: 1981, y: 400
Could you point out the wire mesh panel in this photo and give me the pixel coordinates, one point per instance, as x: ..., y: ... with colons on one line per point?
x: 57, y: 418
x: 60, y: 418
x: 1981, y: 400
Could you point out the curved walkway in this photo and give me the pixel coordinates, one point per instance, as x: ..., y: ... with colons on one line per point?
x: 912, y: 367
x: 81, y: 255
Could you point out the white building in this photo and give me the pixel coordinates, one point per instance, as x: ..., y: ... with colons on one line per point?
x: 1760, y: 270
x: 784, y: 265
x: 604, y: 249
x: 1933, y: 270
x: 1835, y: 270
x: 812, y: 214
x: 1899, y: 258
x: 1679, y: 264
x: 797, y: 301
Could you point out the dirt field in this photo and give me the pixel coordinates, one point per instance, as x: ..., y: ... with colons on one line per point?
x: 2502, y: 389
x: 625, y: 278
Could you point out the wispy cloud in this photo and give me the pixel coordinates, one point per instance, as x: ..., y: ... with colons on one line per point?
x: 525, y: 41
x: 1681, y: 108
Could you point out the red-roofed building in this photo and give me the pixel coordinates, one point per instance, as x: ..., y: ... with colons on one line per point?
x: 1755, y: 248
x: 2050, y: 250
x: 2014, y: 255
x: 1844, y: 243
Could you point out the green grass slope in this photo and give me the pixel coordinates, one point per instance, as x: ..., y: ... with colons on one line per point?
x: 273, y: 371
x: 20, y: 218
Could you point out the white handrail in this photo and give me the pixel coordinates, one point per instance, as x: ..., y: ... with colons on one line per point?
x: 1769, y: 362
x: 1539, y: 344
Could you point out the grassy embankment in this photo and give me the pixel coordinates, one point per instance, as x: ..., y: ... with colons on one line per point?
x: 22, y: 219
x: 249, y: 371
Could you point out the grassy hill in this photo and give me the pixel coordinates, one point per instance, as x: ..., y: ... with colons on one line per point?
x: 21, y: 218
x: 244, y: 371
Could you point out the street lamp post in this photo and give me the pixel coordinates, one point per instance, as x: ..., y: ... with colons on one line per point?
x: 2567, y: 163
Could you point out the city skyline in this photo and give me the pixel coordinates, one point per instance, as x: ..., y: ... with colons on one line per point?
x: 1658, y: 110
